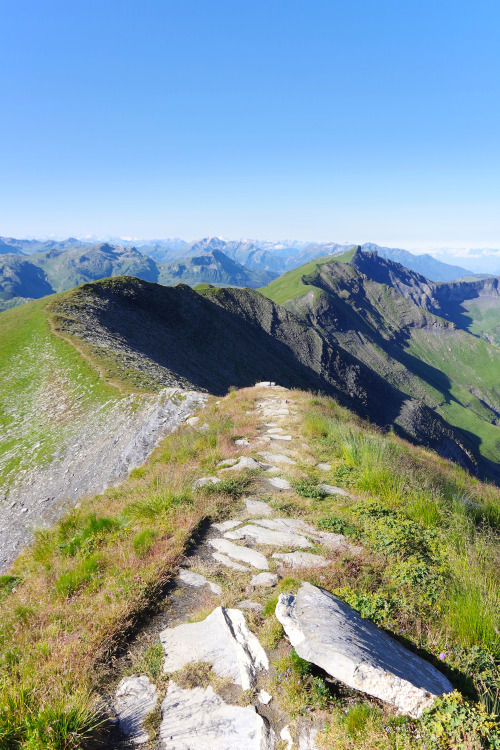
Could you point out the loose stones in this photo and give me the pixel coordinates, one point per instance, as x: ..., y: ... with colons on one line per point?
x: 222, y: 640
x: 330, y: 634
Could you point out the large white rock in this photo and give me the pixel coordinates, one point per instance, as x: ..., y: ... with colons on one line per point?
x: 261, y: 535
x: 135, y: 698
x: 245, y: 462
x: 245, y: 555
x: 222, y: 640
x: 330, y: 634
x: 301, y: 559
x: 199, y: 719
x: 196, y: 579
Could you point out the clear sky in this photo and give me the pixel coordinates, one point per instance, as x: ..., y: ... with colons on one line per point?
x: 321, y: 119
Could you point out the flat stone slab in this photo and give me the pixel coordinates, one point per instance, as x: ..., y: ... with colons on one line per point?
x: 135, y: 698
x: 228, y: 563
x: 206, y: 480
x: 331, y: 490
x: 266, y: 384
x: 324, y: 467
x: 192, y: 421
x: 301, y: 559
x: 257, y: 507
x: 237, y: 552
x: 222, y: 640
x: 242, y: 441
x: 275, y: 430
x: 265, y: 579
x: 278, y: 483
x: 198, y: 719
x: 280, y: 437
x: 197, y: 580
x: 327, y: 632
x: 261, y: 535
x: 277, y: 458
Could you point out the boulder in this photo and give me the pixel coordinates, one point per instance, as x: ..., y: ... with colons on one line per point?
x: 196, y: 719
x: 135, y: 698
x: 329, y: 633
x: 223, y: 640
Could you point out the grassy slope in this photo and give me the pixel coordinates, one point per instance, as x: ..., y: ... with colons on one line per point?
x: 291, y: 285
x: 485, y: 318
x: 45, y: 386
x: 427, y: 575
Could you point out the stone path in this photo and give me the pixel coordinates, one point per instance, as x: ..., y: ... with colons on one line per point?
x: 250, y: 552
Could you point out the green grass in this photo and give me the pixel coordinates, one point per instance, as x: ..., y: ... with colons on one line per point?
x: 291, y: 285
x: 47, y: 389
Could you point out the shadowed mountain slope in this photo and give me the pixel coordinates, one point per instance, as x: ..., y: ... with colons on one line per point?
x: 235, y: 337
x: 381, y: 313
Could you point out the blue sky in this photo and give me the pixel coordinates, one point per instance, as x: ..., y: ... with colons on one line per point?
x: 322, y: 120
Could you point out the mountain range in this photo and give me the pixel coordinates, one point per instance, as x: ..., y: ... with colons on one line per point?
x: 57, y: 269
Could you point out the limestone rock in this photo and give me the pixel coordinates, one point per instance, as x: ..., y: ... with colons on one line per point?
x: 196, y: 719
x: 261, y: 535
x: 324, y: 467
x: 228, y: 563
x: 301, y: 559
x: 242, y: 441
x: 265, y: 579
x: 192, y: 421
x: 330, y: 634
x: 336, y: 542
x: 135, y: 698
x: 266, y: 384
x: 195, y: 579
x: 243, y: 554
x: 257, y: 507
x: 281, y: 437
x: 277, y: 458
x: 222, y: 640
x: 275, y: 430
x: 331, y: 490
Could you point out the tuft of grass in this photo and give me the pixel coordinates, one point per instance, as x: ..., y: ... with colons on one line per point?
x: 143, y: 542
x: 72, y: 581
